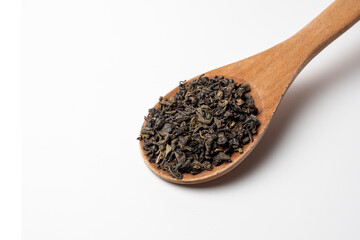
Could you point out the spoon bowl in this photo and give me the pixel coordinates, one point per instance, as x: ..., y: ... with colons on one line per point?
x: 269, y: 75
x: 236, y: 158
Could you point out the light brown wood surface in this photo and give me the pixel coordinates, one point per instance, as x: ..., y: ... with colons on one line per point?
x: 271, y: 72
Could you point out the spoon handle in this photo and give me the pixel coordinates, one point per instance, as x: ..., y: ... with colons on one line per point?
x: 320, y: 32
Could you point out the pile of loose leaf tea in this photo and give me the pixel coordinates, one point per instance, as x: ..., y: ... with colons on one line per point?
x: 200, y: 127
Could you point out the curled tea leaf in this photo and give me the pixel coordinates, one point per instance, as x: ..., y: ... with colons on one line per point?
x: 204, y: 114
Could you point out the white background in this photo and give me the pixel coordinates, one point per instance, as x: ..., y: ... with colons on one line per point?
x: 10, y: 174
x: 90, y: 70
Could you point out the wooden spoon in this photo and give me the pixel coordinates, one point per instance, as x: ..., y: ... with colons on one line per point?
x: 270, y: 73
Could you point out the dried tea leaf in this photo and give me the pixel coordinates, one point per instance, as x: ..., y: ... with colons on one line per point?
x: 207, y: 165
x: 200, y: 127
x: 239, y: 102
x: 168, y: 149
x: 204, y: 114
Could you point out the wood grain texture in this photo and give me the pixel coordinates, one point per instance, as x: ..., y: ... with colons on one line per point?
x: 271, y: 72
